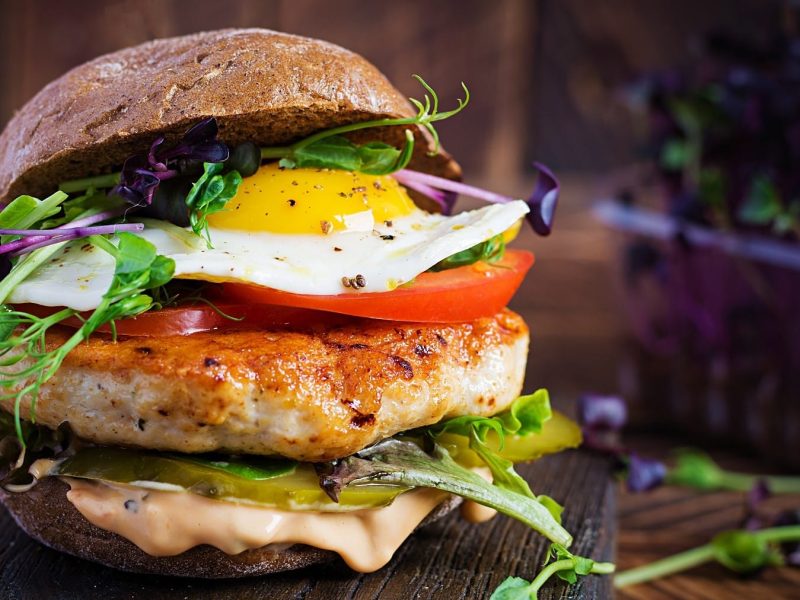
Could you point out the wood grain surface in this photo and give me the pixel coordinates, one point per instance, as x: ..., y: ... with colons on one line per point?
x: 671, y: 520
x: 450, y: 559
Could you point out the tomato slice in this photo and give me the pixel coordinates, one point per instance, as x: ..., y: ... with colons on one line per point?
x: 185, y: 320
x: 456, y: 295
x: 453, y: 296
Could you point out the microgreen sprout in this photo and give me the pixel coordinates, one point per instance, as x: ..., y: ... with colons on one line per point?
x: 739, y: 550
x: 25, y: 359
x: 329, y: 149
x: 565, y: 565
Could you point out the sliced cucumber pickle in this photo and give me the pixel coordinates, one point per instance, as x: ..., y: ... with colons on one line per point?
x: 277, y: 483
x: 558, y: 433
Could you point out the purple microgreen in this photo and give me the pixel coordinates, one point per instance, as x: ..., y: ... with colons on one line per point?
x: 542, y: 202
x: 445, y: 199
x: 142, y: 173
x: 758, y: 494
x: 601, y: 419
x: 602, y: 412
x: 644, y: 474
x: 37, y: 237
x: 77, y: 233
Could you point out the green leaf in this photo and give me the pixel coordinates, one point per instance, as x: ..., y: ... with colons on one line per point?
x: 135, y: 254
x: 695, y: 469
x: 210, y: 194
x: 335, y: 152
x: 405, y: 463
x: 491, y: 250
x: 25, y: 211
x: 328, y: 149
x: 551, y: 505
x: 513, y: 588
x: 382, y: 159
x: 525, y: 416
x: 8, y: 322
x: 528, y: 413
x: 763, y: 203
x: 377, y: 158
x: 741, y: 551
x: 503, y: 473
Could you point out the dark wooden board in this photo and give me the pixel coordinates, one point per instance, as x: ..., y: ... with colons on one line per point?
x: 449, y: 559
x: 672, y: 519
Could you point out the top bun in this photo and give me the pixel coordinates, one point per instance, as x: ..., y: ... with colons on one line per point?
x: 262, y: 86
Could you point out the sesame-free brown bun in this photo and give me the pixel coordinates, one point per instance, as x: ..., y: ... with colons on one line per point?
x: 262, y: 86
x: 46, y: 515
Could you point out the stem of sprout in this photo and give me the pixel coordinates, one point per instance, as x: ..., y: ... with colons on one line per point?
x: 98, y: 181
x: 695, y: 557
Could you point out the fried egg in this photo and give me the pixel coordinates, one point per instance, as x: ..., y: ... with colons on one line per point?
x: 304, y: 231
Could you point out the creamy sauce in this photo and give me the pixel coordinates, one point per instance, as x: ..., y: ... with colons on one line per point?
x: 472, y: 512
x: 168, y: 523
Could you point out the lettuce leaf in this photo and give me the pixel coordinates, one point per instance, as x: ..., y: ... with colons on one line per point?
x: 406, y: 463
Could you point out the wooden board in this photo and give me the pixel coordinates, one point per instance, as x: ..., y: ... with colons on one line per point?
x: 671, y: 520
x: 449, y: 559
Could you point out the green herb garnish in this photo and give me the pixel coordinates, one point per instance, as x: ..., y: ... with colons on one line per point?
x: 739, y: 550
x: 491, y: 251
x: 565, y: 565
x: 329, y: 149
x: 209, y: 194
x: 524, y: 417
x: 402, y: 462
x: 138, y: 268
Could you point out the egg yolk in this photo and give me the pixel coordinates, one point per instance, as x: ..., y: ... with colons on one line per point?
x: 312, y: 201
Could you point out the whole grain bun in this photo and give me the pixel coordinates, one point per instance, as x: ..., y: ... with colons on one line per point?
x: 262, y: 86
x: 46, y: 515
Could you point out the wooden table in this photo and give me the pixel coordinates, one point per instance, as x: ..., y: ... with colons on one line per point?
x: 670, y: 520
x: 449, y: 559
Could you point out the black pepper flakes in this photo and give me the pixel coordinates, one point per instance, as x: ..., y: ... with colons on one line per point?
x: 337, y: 249
x: 387, y: 237
x: 292, y: 202
x: 357, y: 282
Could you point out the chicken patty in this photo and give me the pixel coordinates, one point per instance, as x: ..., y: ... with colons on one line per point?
x: 305, y: 394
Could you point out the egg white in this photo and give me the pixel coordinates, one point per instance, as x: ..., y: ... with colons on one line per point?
x: 386, y: 255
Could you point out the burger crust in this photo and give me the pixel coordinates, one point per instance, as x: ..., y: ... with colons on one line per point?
x: 46, y: 515
x: 312, y: 395
x: 262, y: 86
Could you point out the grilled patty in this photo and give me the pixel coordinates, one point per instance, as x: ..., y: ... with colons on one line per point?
x: 312, y: 395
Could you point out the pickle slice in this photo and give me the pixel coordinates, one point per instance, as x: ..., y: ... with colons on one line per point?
x: 271, y: 482
x: 558, y: 432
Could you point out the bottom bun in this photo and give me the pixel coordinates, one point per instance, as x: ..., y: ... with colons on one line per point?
x: 46, y: 515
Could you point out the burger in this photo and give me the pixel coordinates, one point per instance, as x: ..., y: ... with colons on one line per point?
x: 242, y: 329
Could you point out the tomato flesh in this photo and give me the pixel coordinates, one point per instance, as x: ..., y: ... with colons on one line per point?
x: 456, y: 295
x: 185, y: 320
